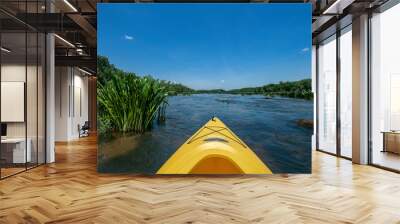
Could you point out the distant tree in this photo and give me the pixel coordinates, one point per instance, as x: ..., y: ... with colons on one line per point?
x: 295, y: 89
x: 106, y: 70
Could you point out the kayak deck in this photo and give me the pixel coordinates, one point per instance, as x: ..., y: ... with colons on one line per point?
x: 214, y: 149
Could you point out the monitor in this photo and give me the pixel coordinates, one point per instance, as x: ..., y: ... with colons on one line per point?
x: 3, y: 129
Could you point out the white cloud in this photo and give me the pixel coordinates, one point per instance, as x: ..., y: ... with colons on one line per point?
x: 127, y: 37
x: 305, y: 49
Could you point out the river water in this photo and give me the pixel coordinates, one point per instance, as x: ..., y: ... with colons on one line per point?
x: 268, y: 126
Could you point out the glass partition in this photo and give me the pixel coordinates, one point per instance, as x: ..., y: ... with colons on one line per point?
x: 41, y: 96
x: 22, y: 92
x: 31, y: 97
x: 13, y: 94
x: 327, y: 95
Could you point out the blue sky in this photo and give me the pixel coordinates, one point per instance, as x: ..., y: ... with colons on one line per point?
x: 207, y: 46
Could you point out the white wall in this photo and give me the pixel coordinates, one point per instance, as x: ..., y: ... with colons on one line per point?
x: 12, y: 73
x: 70, y: 83
x: 62, y: 82
x: 33, y: 126
x: 80, y: 88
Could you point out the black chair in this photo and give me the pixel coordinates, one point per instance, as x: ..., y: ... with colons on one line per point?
x: 84, y: 130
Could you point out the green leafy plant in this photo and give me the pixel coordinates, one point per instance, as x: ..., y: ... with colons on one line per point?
x: 130, y: 103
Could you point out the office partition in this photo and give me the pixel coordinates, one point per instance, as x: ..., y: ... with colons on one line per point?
x: 22, y: 77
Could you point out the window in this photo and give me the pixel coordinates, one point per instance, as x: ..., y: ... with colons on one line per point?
x: 327, y: 95
x: 346, y: 92
x: 385, y: 89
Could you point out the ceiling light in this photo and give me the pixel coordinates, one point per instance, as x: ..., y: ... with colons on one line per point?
x: 79, y: 51
x: 64, y: 40
x: 70, y: 5
x: 331, y: 7
x: 86, y: 72
x: 5, y: 50
x: 338, y: 6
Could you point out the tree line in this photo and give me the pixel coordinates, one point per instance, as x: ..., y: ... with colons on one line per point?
x: 293, y: 89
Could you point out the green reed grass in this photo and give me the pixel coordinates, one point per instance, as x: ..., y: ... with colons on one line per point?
x: 130, y: 103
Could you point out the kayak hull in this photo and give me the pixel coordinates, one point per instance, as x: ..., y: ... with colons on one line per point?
x: 214, y: 149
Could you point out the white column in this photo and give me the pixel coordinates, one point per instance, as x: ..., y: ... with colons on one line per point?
x: 360, y: 90
x: 50, y: 99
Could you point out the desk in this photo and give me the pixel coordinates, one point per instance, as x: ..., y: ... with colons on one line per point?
x: 391, y: 141
x: 13, y: 150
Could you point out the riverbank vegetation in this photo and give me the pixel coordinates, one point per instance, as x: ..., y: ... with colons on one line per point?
x: 127, y: 102
x: 130, y: 103
x: 294, y: 89
x: 106, y: 71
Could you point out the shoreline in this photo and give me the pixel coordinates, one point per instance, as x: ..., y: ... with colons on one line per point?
x: 237, y: 94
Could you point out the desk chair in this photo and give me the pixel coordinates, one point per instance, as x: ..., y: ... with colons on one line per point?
x: 84, y: 130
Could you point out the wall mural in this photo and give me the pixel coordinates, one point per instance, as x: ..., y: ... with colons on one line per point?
x: 204, y: 88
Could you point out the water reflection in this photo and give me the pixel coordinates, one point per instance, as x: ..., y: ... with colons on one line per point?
x: 268, y: 126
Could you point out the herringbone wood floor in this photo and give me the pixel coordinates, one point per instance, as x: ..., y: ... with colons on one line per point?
x: 71, y: 191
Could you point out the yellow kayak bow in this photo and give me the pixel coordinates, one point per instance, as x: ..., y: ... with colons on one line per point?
x: 214, y: 149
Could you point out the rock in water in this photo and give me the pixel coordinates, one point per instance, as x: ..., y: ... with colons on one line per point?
x: 305, y: 123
